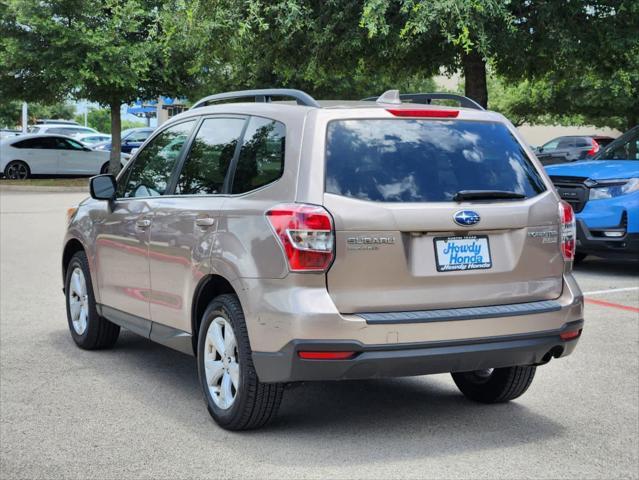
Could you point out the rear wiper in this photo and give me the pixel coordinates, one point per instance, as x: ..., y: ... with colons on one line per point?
x: 485, y: 195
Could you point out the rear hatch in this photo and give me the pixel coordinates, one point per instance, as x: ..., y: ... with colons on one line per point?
x: 433, y: 214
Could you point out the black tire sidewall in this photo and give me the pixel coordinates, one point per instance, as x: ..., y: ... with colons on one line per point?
x: 221, y: 307
x: 89, y: 338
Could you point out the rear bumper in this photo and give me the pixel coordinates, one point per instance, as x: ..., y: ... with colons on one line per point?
x: 371, y: 361
x: 592, y: 242
x: 412, y: 343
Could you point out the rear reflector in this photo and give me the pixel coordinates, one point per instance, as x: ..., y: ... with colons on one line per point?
x: 565, y: 336
x: 326, y: 355
x: 401, y: 112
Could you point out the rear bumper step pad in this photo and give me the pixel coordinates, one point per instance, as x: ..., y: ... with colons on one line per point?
x: 470, y: 313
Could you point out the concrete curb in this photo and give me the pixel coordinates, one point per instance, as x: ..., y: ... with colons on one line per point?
x: 43, y: 189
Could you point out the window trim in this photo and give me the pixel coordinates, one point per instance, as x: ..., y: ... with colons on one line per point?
x: 127, y: 169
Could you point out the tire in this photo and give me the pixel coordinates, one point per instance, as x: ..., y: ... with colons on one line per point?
x: 495, y: 386
x: 252, y: 404
x: 93, y: 332
x: 17, y: 170
x: 579, y: 257
x: 105, y: 168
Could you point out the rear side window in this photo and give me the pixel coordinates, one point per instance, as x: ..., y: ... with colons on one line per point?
x: 208, y: 160
x: 583, y: 142
x: 31, y: 143
x: 261, y: 158
x: 424, y: 160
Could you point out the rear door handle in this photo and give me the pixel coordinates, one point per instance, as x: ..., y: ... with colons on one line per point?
x: 205, y: 222
x: 143, y: 223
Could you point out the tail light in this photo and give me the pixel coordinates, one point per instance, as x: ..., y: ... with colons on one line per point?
x: 305, y: 233
x: 567, y: 230
x: 594, y: 149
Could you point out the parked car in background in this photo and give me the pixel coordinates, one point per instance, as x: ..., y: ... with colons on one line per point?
x: 61, y: 129
x: 27, y: 155
x: 93, y: 139
x: 571, y: 148
x: 48, y: 121
x: 131, y: 138
x: 8, y: 132
x: 604, y: 193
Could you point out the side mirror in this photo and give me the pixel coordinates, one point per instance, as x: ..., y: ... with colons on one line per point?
x: 102, y: 187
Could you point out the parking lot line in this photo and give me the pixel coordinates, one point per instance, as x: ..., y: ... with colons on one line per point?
x: 612, y: 290
x: 603, y: 303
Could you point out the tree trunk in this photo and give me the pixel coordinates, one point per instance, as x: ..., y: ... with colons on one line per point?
x: 475, y: 78
x: 116, y: 141
x: 631, y: 121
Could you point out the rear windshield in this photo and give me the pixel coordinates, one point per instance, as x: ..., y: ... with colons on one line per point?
x: 424, y: 160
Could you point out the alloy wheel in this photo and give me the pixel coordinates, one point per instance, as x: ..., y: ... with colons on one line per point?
x: 78, y: 301
x: 17, y: 171
x: 221, y: 363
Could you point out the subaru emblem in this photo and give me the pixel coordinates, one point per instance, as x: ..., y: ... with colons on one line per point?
x: 466, y: 218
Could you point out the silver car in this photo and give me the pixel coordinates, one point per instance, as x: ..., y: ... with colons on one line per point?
x: 284, y: 242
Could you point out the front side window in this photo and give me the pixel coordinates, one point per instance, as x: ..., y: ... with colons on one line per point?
x: 261, y: 158
x: 425, y: 160
x: 208, y: 160
x: 150, y: 174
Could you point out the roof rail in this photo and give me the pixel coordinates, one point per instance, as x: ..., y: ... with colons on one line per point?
x: 427, y: 98
x: 262, y: 95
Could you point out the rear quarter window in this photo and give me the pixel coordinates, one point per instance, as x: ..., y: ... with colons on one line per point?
x: 388, y: 160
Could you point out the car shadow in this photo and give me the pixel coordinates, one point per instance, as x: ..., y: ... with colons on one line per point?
x: 622, y: 268
x: 365, y: 420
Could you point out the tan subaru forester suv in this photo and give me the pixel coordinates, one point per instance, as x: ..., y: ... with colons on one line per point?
x: 285, y: 241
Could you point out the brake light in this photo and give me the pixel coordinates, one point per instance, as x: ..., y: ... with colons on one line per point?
x: 305, y: 233
x: 594, y: 149
x: 326, y: 355
x: 413, y: 112
x: 567, y: 230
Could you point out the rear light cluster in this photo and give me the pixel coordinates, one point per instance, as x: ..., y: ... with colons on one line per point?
x: 305, y: 232
x: 567, y: 231
x: 594, y: 149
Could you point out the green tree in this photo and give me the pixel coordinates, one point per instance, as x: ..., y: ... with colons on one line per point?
x: 11, y: 112
x: 106, y: 51
x: 100, y: 119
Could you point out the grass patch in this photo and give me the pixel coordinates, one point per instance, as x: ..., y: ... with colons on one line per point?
x: 48, y: 182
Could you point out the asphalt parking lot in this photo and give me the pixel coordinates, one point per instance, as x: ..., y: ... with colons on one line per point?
x: 137, y: 412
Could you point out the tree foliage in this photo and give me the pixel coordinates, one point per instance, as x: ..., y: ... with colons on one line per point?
x: 106, y: 51
x: 11, y: 112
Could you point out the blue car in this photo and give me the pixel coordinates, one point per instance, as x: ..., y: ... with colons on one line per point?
x: 131, y: 138
x: 604, y: 193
